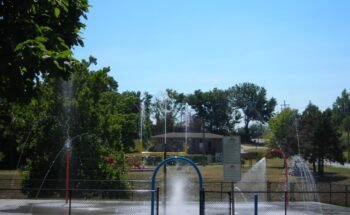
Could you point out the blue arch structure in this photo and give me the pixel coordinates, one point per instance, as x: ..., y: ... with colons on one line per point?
x: 155, y: 171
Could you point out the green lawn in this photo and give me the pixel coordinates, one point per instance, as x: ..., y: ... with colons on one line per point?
x: 275, y: 172
x: 9, y: 174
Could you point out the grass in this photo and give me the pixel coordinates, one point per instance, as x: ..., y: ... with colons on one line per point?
x: 10, y: 179
x: 275, y: 172
x: 345, y: 155
x: 212, y: 172
x: 335, y: 175
x: 10, y: 174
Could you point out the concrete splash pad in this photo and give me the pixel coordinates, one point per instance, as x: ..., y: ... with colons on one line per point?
x: 19, y: 206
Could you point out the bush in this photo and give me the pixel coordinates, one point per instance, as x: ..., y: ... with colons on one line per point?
x: 198, y: 159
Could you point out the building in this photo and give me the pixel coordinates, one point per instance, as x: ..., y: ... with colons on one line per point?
x: 197, y: 143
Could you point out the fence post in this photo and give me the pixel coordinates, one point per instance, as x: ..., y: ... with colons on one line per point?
x: 132, y: 188
x: 157, y: 196
x: 233, y: 197
x: 255, y: 204
x: 268, y: 189
x: 70, y: 202
x: 346, y: 195
x: 221, y: 190
x: 330, y: 193
x: 201, y: 202
x: 291, y: 192
x: 230, y: 203
x: 285, y: 202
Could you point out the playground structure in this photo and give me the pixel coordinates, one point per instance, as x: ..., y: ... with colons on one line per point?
x: 200, y: 181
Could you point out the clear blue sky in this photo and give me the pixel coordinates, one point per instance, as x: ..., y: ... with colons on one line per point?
x: 299, y: 50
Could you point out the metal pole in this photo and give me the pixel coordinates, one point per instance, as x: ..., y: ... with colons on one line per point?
x: 268, y: 189
x: 141, y: 122
x: 330, y: 193
x: 348, y: 146
x: 201, y: 202
x: 157, y: 208
x: 346, y: 195
x: 165, y: 155
x: 286, y: 175
x: 132, y: 193
x: 230, y: 202
x: 186, y: 123
x: 255, y: 204
x: 233, y: 197
x: 165, y: 182
x: 221, y: 190
x: 285, y: 203
x: 70, y: 202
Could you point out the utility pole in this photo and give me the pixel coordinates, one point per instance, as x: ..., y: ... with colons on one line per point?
x: 165, y: 152
x: 348, y: 145
x: 284, y: 105
x: 186, y: 127
x: 347, y: 121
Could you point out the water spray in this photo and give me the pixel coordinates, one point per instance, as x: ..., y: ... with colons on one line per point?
x: 67, y: 146
x: 281, y: 152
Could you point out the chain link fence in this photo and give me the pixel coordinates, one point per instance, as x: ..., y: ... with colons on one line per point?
x: 87, y: 197
x: 80, y: 201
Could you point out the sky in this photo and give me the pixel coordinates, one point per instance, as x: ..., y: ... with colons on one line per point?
x: 298, y: 50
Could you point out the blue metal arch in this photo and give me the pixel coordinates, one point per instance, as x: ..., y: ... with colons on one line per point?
x: 155, y: 171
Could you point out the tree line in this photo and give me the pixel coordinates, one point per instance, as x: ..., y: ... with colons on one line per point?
x: 215, y: 111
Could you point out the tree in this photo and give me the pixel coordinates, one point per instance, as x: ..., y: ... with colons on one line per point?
x: 36, y: 41
x: 257, y: 130
x: 310, y: 122
x: 147, y: 123
x: 36, y: 38
x: 213, y: 110
x: 341, y: 116
x: 89, y: 113
x: 282, y: 131
x: 251, y: 100
x: 319, y: 138
x: 171, y: 105
x: 328, y: 142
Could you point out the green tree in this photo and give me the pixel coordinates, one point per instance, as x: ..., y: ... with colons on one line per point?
x: 36, y: 41
x: 282, y: 131
x: 147, y: 123
x: 328, y: 142
x: 251, y: 100
x: 100, y: 123
x: 310, y: 120
x: 319, y: 138
x: 36, y: 38
x: 170, y: 105
x: 213, y: 110
x: 341, y: 117
x: 257, y: 130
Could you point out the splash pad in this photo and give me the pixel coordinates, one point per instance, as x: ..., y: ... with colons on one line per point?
x: 213, y: 205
